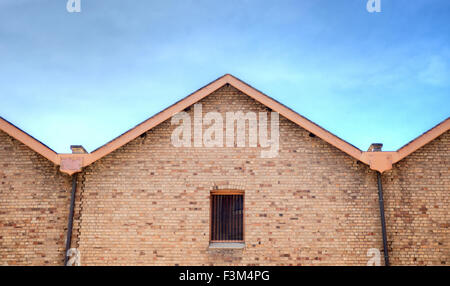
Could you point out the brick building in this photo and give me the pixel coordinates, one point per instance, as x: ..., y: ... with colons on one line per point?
x: 140, y: 200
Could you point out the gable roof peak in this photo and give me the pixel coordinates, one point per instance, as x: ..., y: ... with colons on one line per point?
x: 207, y: 90
x: 72, y: 163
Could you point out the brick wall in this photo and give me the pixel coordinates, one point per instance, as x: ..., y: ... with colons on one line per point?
x: 149, y: 202
x: 417, y: 199
x: 34, y: 204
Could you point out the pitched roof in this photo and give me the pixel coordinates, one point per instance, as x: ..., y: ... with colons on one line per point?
x: 71, y: 163
x: 383, y: 161
x: 423, y: 139
x: 207, y: 90
x: 28, y: 140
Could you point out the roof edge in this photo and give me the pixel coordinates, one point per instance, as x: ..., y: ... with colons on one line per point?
x: 73, y: 163
x: 205, y: 91
x: 155, y: 120
x: 423, y: 139
x: 29, y: 140
x: 295, y: 117
x: 383, y: 161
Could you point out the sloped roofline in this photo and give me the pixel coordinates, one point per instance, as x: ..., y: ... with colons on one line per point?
x: 205, y: 91
x: 28, y: 140
x: 423, y: 139
x: 72, y: 163
x: 383, y: 161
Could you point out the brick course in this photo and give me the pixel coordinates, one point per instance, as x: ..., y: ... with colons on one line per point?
x: 417, y: 199
x: 34, y: 206
x: 148, y: 202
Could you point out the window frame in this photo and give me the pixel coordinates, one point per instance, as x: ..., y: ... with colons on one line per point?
x: 224, y: 193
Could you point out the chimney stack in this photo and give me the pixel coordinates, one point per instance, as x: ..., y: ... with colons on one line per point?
x: 78, y: 149
x: 375, y: 147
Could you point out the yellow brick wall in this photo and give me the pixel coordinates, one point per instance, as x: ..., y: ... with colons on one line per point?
x: 417, y: 199
x: 148, y: 202
x: 34, y: 206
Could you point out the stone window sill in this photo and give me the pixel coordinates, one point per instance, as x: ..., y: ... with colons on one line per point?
x: 226, y: 245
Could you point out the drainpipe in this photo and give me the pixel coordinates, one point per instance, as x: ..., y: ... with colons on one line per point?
x: 383, y: 221
x: 376, y: 147
x: 76, y: 149
x: 70, y: 223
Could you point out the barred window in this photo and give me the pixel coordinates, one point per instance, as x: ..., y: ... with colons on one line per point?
x: 227, y: 216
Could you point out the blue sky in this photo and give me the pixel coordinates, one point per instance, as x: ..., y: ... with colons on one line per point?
x: 85, y: 78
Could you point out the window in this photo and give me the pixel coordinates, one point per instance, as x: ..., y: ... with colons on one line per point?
x: 227, y: 216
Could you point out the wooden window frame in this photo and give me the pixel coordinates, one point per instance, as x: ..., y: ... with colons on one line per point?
x: 226, y: 192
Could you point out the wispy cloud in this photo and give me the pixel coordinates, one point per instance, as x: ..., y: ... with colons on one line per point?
x: 436, y: 72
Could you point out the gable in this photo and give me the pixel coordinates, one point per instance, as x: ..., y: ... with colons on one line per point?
x: 151, y: 158
x: 28, y: 141
x: 207, y: 90
x: 72, y: 163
